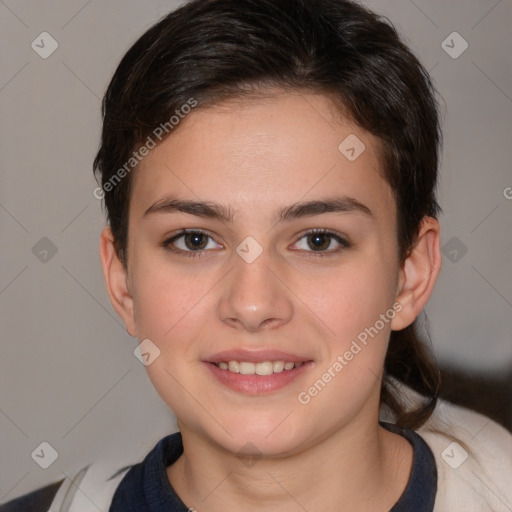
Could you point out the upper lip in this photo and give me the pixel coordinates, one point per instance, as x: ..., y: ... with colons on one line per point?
x: 255, y: 356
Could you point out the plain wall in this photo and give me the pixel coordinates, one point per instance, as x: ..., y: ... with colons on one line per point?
x: 68, y: 373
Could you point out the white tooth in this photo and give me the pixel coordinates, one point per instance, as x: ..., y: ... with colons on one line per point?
x: 298, y: 364
x: 234, y: 366
x: 247, y: 368
x: 223, y: 365
x: 265, y: 368
x: 288, y: 366
x: 278, y: 366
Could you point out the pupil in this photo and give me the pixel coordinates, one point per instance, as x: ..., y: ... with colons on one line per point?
x: 195, y: 238
x: 318, y: 238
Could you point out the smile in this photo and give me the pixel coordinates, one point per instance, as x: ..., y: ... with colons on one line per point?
x: 263, y: 368
x: 259, y: 378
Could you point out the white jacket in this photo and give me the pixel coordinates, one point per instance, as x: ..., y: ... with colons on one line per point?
x: 478, y: 481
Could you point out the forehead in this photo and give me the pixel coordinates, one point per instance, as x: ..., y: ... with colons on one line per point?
x: 254, y: 152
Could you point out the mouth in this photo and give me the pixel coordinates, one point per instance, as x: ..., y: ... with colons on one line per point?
x: 256, y: 372
x: 263, y: 368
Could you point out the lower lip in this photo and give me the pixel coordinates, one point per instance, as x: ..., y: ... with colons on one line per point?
x: 257, y: 384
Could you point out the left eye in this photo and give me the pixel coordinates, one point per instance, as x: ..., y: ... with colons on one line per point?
x: 321, y: 240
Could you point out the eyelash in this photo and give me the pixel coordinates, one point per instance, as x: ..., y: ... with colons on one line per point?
x: 195, y: 254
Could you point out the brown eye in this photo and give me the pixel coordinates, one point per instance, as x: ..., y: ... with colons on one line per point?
x: 190, y: 243
x: 196, y: 241
x: 320, y: 240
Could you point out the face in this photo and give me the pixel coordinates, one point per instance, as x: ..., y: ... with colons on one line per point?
x: 290, y: 257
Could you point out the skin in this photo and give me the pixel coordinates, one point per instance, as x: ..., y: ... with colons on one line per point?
x: 256, y: 156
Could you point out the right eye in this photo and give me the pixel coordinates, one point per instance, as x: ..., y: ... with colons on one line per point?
x: 193, y: 243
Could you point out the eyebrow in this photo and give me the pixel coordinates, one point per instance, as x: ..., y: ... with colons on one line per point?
x: 209, y: 209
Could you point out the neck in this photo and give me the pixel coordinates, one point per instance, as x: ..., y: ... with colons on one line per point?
x: 356, y: 468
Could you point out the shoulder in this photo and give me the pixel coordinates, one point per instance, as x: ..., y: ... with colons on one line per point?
x: 90, y: 488
x: 473, y: 457
x: 87, y: 490
x: 35, y: 501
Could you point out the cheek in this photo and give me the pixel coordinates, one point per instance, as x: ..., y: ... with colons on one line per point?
x: 352, y: 298
x: 170, y: 313
x: 358, y: 309
x: 174, y: 309
x: 164, y: 298
x: 353, y: 305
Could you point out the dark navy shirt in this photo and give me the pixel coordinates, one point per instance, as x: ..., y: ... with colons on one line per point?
x: 146, y: 488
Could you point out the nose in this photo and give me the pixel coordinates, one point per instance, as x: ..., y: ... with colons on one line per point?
x: 255, y: 295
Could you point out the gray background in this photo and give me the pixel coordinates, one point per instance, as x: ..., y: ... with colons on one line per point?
x: 68, y: 373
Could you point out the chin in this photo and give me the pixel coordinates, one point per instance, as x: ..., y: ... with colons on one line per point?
x: 252, y: 436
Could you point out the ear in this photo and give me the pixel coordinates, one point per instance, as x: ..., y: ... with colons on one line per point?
x: 117, y: 282
x: 418, y: 274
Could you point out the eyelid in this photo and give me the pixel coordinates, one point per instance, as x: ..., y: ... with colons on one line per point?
x: 185, y: 231
x: 334, y: 235
x: 325, y: 231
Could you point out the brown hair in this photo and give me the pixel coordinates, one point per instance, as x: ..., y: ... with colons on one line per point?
x: 212, y: 50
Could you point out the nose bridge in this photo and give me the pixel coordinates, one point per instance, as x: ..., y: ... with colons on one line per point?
x: 252, y: 276
x: 255, y: 296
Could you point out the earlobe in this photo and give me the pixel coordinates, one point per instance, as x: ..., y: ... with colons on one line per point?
x: 116, y: 281
x: 418, y: 274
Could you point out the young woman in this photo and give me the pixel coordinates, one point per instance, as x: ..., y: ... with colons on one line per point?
x: 269, y: 171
